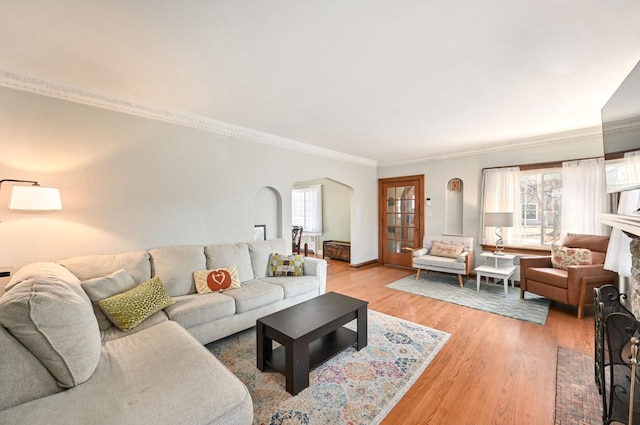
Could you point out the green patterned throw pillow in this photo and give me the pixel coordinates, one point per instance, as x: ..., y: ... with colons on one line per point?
x: 286, y: 265
x: 130, y: 308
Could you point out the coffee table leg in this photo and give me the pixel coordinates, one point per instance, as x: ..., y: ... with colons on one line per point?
x: 361, y: 315
x: 296, y: 366
x: 264, y: 346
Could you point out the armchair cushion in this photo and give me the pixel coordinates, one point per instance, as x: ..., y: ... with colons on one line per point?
x: 550, y: 276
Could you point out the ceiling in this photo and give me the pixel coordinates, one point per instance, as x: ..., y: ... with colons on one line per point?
x: 389, y: 81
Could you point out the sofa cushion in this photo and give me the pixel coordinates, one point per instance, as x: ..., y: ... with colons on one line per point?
x: 56, y: 324
x: 216, y: 280
x: 104, y: 287
x: 254, y: 294
x: 286, y: 265
x: 22, y: 376
x: 236, y: 254
x: 174, y: 265
x: 294, y: 286
x: 92, y: 266
x: 563, y: 257
x: 440, y: 249
x: 128, y: 309
x: 193, y: 310
x: 113, y: 332
x: 159, y: 376
x: 260, y: 251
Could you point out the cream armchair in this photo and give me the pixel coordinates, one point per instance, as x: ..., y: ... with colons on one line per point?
x: 450, y: 254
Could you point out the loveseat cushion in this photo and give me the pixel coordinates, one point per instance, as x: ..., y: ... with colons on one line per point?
x: 159, y: 376
x: 232, y: 254
x: 175, y: 265
x: 193, y: 310
x: 56, y: 324
x: 260, y: 252
x: 434, y: 261
x: 294, y: 286
x: 92, y: 266
x: 254, y: 294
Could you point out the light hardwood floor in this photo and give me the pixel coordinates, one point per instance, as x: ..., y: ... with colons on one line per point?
x: 493, y: 369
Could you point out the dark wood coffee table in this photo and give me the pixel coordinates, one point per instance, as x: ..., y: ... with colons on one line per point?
x: 310, y: 334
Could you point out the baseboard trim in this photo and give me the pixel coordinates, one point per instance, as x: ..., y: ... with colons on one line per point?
x: 362, y: 265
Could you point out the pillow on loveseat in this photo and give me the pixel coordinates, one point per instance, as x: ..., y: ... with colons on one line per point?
x: 286, y: 265
x: 563, y: 257
x: 216, y: 280
x: 130, y: 308
x: 440, y: 249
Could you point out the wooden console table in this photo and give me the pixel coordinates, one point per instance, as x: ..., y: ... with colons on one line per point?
x: 338, y: 250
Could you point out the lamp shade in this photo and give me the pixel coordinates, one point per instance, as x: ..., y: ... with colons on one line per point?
x: 498, y: 219
x: 35, y: 198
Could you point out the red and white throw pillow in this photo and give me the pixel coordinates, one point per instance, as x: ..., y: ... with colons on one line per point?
x: 216, y: 280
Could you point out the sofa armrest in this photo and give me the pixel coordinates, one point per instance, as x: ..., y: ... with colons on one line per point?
x: 317, y: 267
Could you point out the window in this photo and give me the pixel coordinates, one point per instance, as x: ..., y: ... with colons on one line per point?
x: 540, y: 205
x: 547, y: 202
x: 306, y: 208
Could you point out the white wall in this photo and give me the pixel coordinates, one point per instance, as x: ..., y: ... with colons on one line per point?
x: 133, y: 183
x: 469, y: 169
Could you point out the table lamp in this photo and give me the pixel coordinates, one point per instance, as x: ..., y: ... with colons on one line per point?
x: 498, y: 220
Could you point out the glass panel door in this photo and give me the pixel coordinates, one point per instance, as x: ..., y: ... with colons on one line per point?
x: 401, y: 215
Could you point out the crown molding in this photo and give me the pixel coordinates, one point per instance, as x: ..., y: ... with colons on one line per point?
x: 547, y: 139
x: 34, y: 85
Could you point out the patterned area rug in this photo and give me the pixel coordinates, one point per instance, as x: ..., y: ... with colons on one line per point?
x: 490, y: 298
x: 355, y: 387
x: 577, y: 398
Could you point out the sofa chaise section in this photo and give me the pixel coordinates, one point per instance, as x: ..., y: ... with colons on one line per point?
x: 159, y: 376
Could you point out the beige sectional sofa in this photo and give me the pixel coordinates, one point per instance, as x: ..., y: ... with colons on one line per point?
x: 62, y: 362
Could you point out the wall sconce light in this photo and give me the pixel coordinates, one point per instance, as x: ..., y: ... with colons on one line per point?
x: 33, y: 197
x: 498, y: 220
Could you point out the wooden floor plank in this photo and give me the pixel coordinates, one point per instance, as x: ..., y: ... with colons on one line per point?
x: 493, y: 369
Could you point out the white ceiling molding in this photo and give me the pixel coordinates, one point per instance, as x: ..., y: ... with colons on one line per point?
x: 565, y: 136
x: 45, y: 88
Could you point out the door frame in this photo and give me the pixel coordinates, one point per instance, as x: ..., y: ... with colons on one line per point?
x: 382, y: 199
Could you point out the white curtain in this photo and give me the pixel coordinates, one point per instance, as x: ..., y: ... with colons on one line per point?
x: 584, y: 197
x: 619, y: 254
x: 500, y: 193
x: 632, y: 165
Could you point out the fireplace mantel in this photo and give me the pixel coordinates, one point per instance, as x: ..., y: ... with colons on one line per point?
x: 626, y: 223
